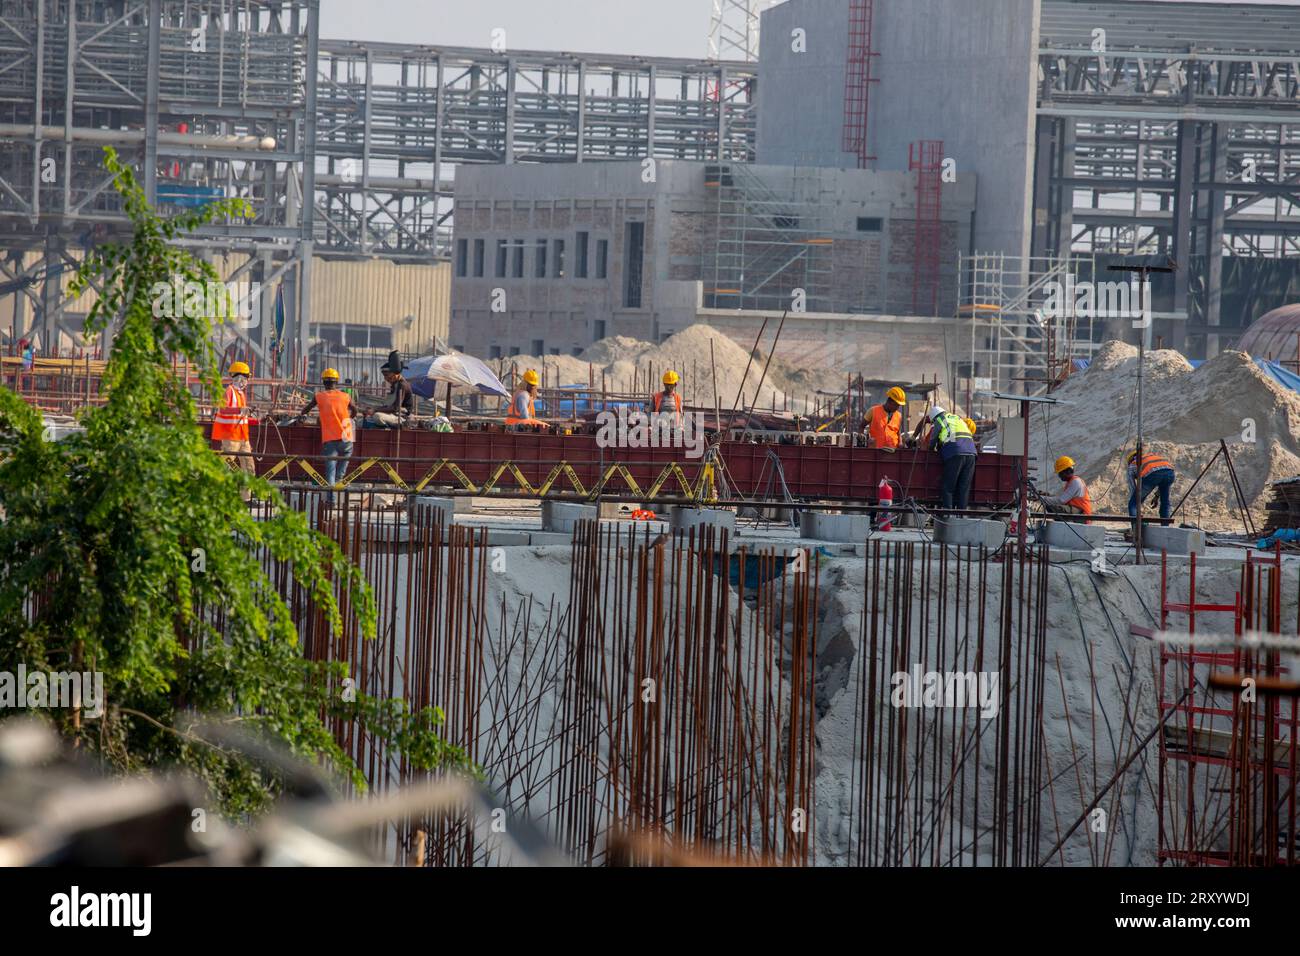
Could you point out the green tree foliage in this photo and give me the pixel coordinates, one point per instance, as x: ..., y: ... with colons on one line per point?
x: 111, y: 539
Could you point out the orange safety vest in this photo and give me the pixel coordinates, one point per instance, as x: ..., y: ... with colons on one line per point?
x: 1083, y: 503
x: 1152, y: 463
x: 884, y: 429
x: 513, y: 418
x: 658, y: 402
x: 335, y: 422
x: 231, y: 421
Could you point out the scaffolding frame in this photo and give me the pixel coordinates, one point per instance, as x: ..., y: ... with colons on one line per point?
x: 1244, y: 806
x: 925, y: 158
x: 1015, y: 346
x: 767, y: 246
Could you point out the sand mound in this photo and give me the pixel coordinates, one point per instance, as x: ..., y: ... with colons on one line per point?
x: 1186, y: 412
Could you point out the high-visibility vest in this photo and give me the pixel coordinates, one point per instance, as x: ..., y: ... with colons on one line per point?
x: 1084, y: 501
x: 522, y: 396
x: 950, y: 428
x: 231, y: 421
x: 335, y: 422
x: 1152, y: 463
x: 677, y: 400
x: 884, y: 428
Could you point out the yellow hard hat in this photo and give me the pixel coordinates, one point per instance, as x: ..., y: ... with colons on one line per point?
x: 671, y: 377
x: 530, y: 377
x: 328, y: 374
x: 1062, y: 463
x: 239, y: 368
x: 898, y: 395
x: 970, y: 423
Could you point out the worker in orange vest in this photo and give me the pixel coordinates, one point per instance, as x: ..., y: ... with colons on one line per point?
x: 230, y: 424
x: 669, y: 397
x: 884, y: 422
x: 523, y: 407
x: 1074, y: 497
x: 336, y: 429
x: 1145, y: 476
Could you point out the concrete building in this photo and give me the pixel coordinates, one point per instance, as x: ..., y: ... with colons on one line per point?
x: 960, y: 73
x: 548, y: 259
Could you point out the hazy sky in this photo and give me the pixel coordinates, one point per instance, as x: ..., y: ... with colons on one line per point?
x: 649, y: 27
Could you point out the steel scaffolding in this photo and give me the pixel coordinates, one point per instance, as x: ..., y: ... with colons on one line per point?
x: 768, y: 245
x: 857, y: 81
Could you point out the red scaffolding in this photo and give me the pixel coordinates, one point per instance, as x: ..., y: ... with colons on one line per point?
x: 857, y: 81
x: 925, y: 158
x: 1227, y: 757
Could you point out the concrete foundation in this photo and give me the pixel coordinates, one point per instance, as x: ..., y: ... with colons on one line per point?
x: 447, y: 506
x: 1073, y: 535
x: 683, y: 519
x: 820, y: 526
x: 563, y: 516
x: 1173, y: 540
x: 970, y: 531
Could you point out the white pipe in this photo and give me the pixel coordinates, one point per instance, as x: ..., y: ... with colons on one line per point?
x: 91, y: 135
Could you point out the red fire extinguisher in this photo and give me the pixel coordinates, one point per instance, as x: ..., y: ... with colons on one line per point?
x: 885, y: 493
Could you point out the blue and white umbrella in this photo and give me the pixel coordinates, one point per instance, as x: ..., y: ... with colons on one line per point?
x: 463, y: 371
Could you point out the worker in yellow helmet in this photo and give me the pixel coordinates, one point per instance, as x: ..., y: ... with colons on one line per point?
x: 523, y: 407
x: 336, y: 428
x: 669, y: 397
x: 230, y: 424
x: 884, y: 423
x: 1074, y: 497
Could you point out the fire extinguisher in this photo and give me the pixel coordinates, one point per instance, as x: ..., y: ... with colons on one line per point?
x: 885, y: 493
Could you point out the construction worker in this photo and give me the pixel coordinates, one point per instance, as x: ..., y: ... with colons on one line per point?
x: 956, y: 445
x: 1150, y: 474
x: 402, y: 406
x: 336, y: 431
x: 230, y: 424
x: 669, y: 397
x: 1074, y: 497
x: 523, y: 407
x: 884, y: 422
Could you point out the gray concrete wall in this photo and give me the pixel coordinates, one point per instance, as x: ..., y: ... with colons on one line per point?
x: 961, y: 71
x: 872, y: 270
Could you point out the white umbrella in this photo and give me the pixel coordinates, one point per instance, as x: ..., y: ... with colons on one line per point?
x: 454, y: 368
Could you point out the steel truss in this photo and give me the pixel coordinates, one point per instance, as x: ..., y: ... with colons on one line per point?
x: 1187, y: 148
x: 394, y: 120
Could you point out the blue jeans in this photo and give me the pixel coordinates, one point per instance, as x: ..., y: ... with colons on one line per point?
x: 1162, y: 478
x: 337, y: 454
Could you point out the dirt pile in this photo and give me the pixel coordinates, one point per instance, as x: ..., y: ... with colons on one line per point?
x: 629, y: 365
x: 1186, y: 412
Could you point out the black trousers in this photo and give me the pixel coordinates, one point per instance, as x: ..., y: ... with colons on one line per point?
x: 958, y: 476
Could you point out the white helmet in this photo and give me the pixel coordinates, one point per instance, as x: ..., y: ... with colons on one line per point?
x: 936, y: 412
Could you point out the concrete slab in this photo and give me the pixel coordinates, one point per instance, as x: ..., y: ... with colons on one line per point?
x: 820, y: 526
x: 617, y: 509
x: 563, y: 516
x: 971, y: 532
x: 508, y: 539
x: 683, y: 519
x: 549, y: 538
x: 1073, y: 535
x: 1173, y: 540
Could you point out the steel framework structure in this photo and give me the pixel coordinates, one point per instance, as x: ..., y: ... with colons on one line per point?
x: 343, y: 148
x: 394, y: 120
x: 1182, y: 143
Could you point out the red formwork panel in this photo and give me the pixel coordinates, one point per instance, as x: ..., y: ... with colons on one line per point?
x: 809, y: 471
